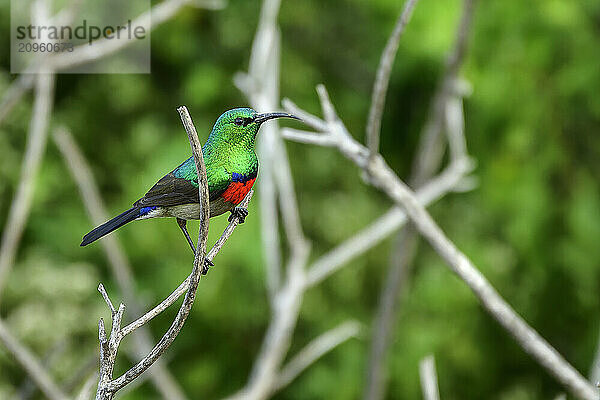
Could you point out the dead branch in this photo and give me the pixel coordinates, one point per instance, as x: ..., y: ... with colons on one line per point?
x: 382, y: 78
x: 384, y: 178
x: 429, y: 384
x: 31, y: 365
x: 107, y: 387
x: 118, y: 262
x: 21, y: 203
x: 428, y: 160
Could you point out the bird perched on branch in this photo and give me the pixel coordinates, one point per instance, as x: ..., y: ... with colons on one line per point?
x: 231, y: 169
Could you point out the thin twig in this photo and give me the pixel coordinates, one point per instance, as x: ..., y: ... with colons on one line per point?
x: 382, y: 78
x: 106, y: 299
x: 261, y: 86
x: 431, y: 147
x: 118, y: 262
x: 79, y: 375
x: 159, y: 14
x: 307, y: 137
x: 21, y: 203
x: 28, y: 388
x: 401, y: 259
x: 184, y: 285
x: 106, y: 390
x: 103, y: 47
x: 429, y: 155
x: 384, y: 178
x: 88, y: 387
x: 429, y: 384
x: 385, y: 225
x: 455, y: 127
x: 14, y: 93
x: 315, y: 350
x: 30, y: 364
x: 276, y: 341
x: 595, y: 368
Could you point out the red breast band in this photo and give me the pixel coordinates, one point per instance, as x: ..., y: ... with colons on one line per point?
x: 236, y: 191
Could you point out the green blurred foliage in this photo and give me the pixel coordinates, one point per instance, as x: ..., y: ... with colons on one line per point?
x: 532, y: 225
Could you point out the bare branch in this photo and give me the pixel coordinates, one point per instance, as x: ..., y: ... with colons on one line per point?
x: 525, y: 335
x: 159, y: 14
x: 429, y: 157
x: 288, y: 204
x: 228, y: 230
x: 21, y: 203
x: 373, y: 234
x: 106, y: 299
x: 262, y: 84
x: 315, y: 350
x: 28, y: 388
x: 88, y: 387
x: 429, y: 384
x: 430, y: 148
x: 276, y: 341
x: 382, y: 79
x: 30, y: 364
x: 106, y: 387
x: 307, y: 137
x: 92, y: 200
x: 384, y: 178
x: 311, y: 120
x: 103, y: 47
x: 401, y: 260
x: 118, y: 262
x: 595, y: 368
x: 455, y: 123
x: 385, y: 225
x: 14, y: 93
x: 110, y: 345
x: 188, y: 124
x: 184, y: 285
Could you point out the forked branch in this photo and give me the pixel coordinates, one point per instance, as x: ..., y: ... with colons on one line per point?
x: 385, y: 179
x: 107, y: 387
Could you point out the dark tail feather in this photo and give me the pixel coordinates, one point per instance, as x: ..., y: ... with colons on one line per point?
x: 111, y: 225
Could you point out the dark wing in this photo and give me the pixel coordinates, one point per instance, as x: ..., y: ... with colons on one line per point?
x: 170, y: 191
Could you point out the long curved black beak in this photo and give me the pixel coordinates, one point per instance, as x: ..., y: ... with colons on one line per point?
x: 260, y: 118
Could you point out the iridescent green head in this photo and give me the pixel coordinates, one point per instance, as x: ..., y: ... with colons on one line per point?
x: 240, y: 125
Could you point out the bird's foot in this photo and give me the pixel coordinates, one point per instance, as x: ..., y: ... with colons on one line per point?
x: 240, y: 213
x: 206, y: 266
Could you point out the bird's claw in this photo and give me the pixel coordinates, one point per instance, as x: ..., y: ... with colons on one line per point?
x: 207, y: 264
x: 240, y: 213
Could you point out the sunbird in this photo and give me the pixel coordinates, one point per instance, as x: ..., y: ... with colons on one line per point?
x: 231, y: 169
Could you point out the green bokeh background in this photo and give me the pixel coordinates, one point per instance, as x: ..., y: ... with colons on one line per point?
x: 532, y: 225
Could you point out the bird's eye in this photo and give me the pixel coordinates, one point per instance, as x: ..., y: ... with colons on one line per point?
x: 239, y: 121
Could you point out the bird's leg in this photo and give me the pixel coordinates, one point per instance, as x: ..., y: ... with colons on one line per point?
x: 240, y: 213
x: 207, y: 263
x: 182, y: 224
